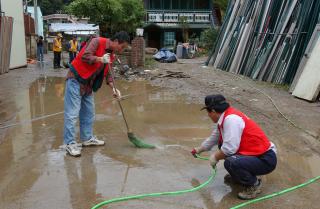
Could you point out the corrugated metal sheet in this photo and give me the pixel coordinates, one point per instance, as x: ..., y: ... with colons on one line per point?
x: 265, y: 39
x: 14, y: 8
x: 307, y: 82
x: 6, y: 24
x: 73, y: 28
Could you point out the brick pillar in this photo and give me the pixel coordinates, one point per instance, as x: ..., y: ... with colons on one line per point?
x: 137, y: 52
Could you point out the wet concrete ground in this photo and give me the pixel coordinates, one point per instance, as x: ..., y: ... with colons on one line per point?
x: 36, y: 173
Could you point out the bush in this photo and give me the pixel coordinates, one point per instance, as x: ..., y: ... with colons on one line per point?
x: 208, y: 38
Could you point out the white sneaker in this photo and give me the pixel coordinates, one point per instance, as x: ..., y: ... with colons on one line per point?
x: 94, y: 141
x: 73, y: 149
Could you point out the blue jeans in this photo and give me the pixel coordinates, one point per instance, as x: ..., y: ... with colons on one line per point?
x: 76, y: 106
x: 245, y: 169
x: 40, y: 53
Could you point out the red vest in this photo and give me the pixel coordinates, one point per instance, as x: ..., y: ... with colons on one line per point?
x: 84, y: 69
x: 253, y: 140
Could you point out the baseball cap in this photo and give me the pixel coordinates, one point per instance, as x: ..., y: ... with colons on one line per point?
x: 216, y: 102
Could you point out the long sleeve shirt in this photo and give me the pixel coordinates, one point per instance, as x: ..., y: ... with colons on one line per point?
x: 232, y: 132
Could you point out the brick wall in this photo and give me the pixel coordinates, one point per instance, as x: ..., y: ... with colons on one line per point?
x: 137, y: 53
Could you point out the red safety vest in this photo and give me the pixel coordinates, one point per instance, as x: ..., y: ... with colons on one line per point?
x: 84, y: 69
x: 253, y: 142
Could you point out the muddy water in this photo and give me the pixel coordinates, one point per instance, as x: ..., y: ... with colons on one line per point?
x: 36, y: 173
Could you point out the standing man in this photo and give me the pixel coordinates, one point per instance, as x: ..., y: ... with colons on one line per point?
x: 244, y: 147
x: 57, y: 49
x: 40, y: 49
x: 86, y: 74
x: 73, y: 48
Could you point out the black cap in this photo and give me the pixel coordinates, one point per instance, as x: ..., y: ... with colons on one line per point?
x: 216, y: 102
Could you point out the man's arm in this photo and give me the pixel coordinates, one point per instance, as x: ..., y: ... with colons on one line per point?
x: 232, y: 132
x: 89, y: 55
x: 212, y: 140
x: 209, y: 142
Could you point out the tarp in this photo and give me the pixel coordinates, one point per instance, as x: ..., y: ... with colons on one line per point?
x: 164, y: 55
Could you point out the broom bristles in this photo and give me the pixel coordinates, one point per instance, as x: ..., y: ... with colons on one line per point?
x: 138, y: 142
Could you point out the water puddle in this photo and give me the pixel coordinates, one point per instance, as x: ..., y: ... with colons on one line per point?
x: 36, y: 172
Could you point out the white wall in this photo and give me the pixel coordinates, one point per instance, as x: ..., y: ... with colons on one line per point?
x: 14, y: 8
x: 40, y: 19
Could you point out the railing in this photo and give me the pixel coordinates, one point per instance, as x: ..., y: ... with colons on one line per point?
x: 160, y: 16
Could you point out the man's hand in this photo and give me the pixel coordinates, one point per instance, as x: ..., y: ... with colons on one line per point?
x: 213, y: 160
x: 194, y: 152
x: 106, y: 58
x: 116, y: 93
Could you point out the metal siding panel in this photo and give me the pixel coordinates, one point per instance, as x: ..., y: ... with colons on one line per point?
x: 14, y: 8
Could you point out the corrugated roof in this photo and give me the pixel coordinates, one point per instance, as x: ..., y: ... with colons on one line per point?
x: 72, y: 27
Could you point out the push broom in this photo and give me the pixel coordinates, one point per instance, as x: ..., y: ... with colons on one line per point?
x: 132, y: 138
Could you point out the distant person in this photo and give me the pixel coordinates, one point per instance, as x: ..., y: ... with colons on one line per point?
x: 73, y: 48
x: 40, y: 49
x: 57, y: 49
x: 86, y: 74
x: 244, y: 147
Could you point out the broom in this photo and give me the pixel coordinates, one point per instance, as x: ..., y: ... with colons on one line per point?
x: 132, y: 138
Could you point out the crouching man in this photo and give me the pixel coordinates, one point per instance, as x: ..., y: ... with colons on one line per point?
x: 244, y: 147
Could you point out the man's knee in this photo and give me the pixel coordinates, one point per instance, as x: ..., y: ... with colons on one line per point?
x: 230, y: 163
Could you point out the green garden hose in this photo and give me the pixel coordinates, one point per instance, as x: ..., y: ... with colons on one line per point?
x: 120, y: 199
x: 276, y: 193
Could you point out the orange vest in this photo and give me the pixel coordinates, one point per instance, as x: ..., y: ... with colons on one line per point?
x: 57, y: 45
x: 86, y: 70
x: 73, y: 46
x: 253, y: 142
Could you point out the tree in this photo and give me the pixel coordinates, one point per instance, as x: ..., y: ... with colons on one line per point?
x: 110, y: 15
x: 183, y: 22
x: 223, y: 4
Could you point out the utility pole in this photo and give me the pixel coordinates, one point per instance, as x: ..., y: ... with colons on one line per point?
x: 35, y: 4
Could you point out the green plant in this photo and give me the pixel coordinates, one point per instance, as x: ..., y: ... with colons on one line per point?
x: 149, y: 62
x: 208, y: 38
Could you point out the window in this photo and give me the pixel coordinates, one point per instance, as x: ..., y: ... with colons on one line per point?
x: 186, y: 4
x: 169, y: 39
x: 167, y: 4
x: 202, y: 4
x: 175, y: 4
x: 155, y: 4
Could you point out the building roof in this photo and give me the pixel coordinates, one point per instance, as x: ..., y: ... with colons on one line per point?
x: 73, y: 28
x: 71, y: 18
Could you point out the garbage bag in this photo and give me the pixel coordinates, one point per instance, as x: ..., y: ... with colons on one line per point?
x: 164, y: 55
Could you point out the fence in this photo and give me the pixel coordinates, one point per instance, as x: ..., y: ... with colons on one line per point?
x: 6, y: 24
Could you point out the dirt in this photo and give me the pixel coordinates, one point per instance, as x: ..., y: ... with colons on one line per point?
x: 164, y: 110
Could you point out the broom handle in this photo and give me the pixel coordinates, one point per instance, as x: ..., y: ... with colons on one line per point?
x: 114, y: 86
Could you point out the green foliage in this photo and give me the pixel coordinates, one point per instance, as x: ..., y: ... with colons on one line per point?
x: 51, y: 6
x: 110, y: 15
x: 223, y: 4
x: 208, y: 38
x: 183, y: 22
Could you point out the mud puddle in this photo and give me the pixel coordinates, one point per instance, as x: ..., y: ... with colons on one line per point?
x: 36, y: 173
